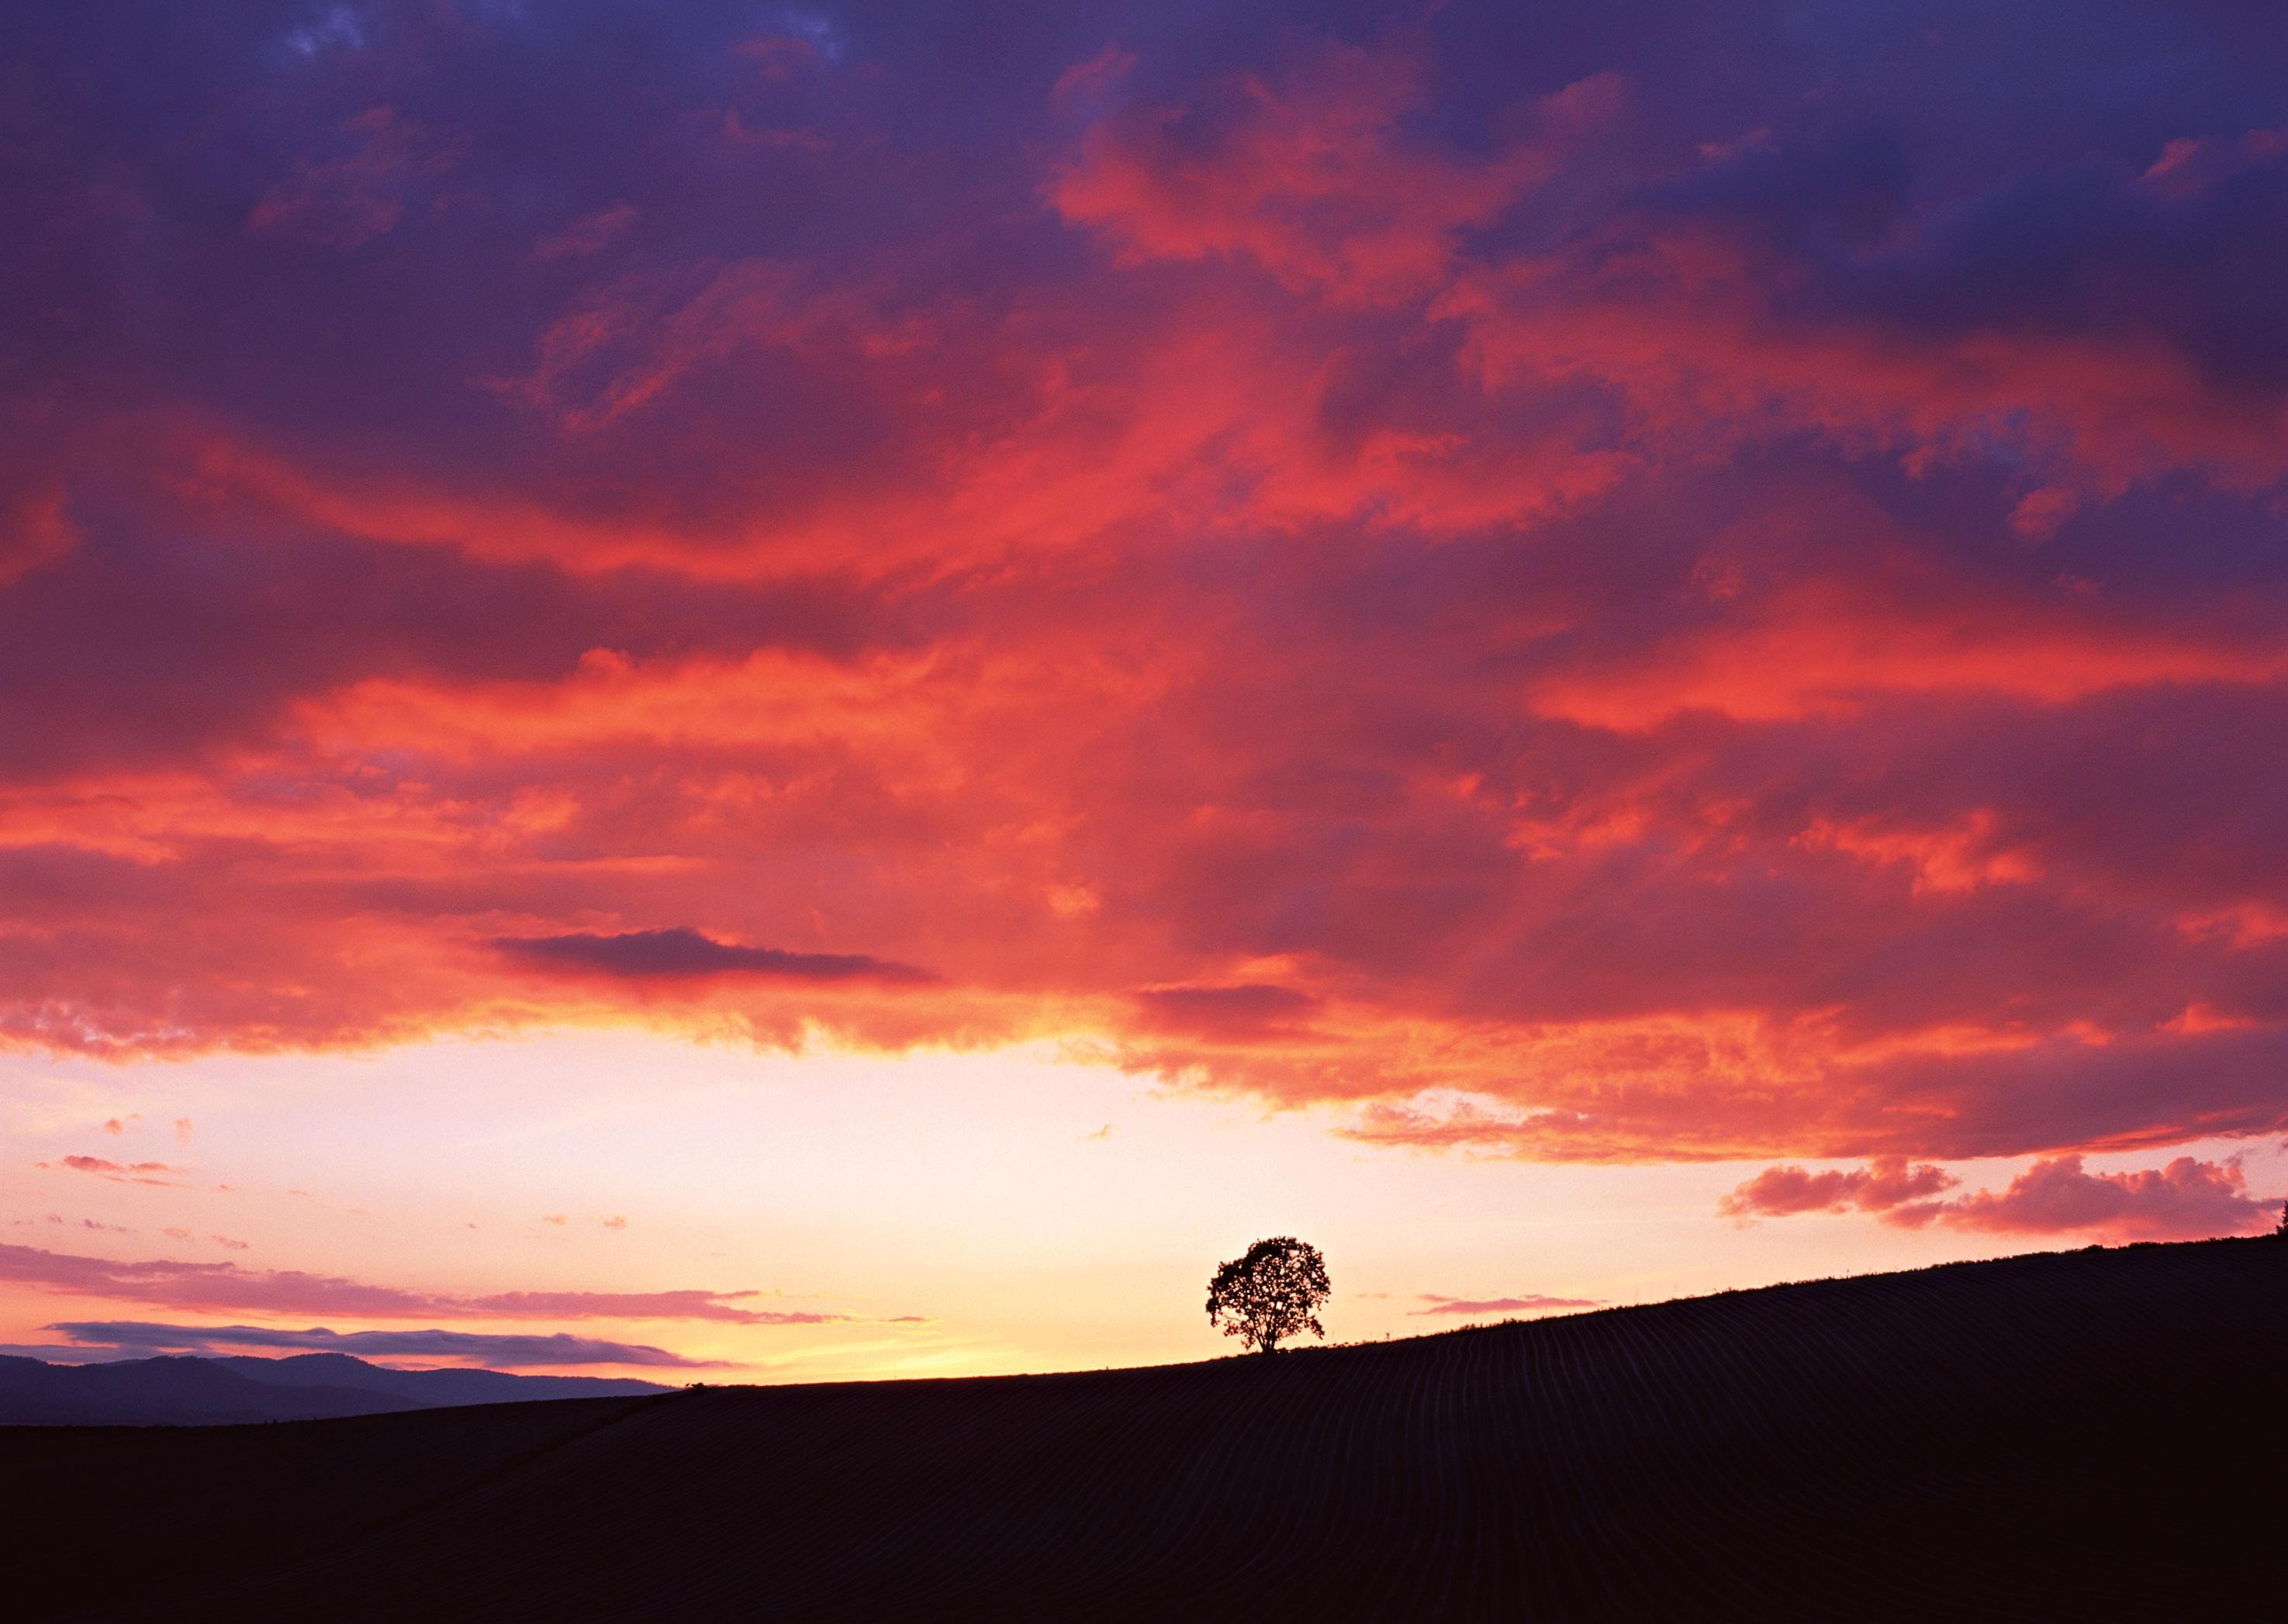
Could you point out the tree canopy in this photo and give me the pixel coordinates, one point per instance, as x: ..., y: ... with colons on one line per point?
x: 1271, y: 1293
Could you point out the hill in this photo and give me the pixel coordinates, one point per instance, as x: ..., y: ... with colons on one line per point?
x: 2092, y: 1434
x: 176, y: 1391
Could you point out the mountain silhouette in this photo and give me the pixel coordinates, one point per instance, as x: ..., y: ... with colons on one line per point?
x: 180, y: 1391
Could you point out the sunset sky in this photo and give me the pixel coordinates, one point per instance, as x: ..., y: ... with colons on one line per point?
x: 733, y: 692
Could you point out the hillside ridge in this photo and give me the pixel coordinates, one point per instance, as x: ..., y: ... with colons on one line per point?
x: 2062, y: 1432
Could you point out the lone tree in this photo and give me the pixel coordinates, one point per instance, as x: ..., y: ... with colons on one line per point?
x: 1271, y: 1293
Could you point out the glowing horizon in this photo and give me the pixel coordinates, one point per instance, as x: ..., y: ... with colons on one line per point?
x: 812, y: 693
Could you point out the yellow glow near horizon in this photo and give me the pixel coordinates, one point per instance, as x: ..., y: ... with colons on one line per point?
x: 1033, y: 1209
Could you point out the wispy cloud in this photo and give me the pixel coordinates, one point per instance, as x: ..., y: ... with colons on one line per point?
x: 179, y: 1284
x: 1531, y: 1302
x: 119, y: 1172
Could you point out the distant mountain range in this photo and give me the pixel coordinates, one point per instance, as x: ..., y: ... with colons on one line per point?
x: 188, y: 1391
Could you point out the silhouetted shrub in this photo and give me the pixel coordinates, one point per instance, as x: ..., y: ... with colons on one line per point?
x: 1272, y: 1293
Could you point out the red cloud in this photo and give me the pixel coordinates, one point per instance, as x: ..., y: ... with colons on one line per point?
x: 35, y: 531
x: 1242, y: 1011
x: 98, y: 1164
x: 1676, y: 308
x: 1879, y: 1187
x: 2185, y: 1200
x: 1313, y: 177
x: 1827, y: 655
x: 118, y: 1172
x: 1617, y: 622
x: 2188, y: 1200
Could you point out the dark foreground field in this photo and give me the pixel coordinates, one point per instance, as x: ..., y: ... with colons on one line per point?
x: 2091, y: 1434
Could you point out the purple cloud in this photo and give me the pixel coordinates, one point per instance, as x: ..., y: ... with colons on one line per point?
x: 681, y: 951
x: 1531, y: 1302
x: 1885, y: 1183
x: 228, y: 1286
x: 464, y: 1347
x: 1244, y: 1010
x: 2188, y: 1200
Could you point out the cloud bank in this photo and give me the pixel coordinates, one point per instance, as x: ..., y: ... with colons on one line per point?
x: 681, y: 953
x: 129, y: 1337
x: 1623, y: 585
x: 2188, y: 1200
x: 213, y: 1286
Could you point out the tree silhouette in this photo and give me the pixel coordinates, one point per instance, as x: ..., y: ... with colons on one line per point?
x: 1272, y: 1293
x: 2281, y: 1233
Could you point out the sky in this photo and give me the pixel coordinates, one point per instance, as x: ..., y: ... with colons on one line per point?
x: 748, y: 692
